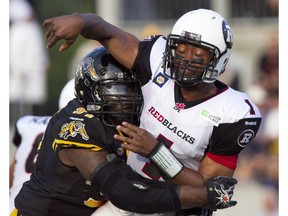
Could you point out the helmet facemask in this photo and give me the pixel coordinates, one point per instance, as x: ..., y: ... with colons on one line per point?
x: 117, y: 101
x: 188, y: 73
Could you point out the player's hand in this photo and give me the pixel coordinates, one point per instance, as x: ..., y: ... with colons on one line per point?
x: 66, y: 27
x: 220, y: 191
x: 137, y: 139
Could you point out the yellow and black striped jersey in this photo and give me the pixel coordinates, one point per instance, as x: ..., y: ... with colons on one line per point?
x: 56, y: 188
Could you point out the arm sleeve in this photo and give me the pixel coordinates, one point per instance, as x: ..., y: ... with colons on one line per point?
x: 232, y: 138
x: 131, y: 192
x: 229, y: 139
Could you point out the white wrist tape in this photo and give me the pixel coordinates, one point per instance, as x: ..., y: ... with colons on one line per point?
x: 165, y: 160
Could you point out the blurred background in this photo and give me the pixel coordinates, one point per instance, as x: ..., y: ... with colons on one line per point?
x: 37, y: 74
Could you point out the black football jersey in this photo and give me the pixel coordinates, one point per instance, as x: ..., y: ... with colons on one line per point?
x: 55, y: 188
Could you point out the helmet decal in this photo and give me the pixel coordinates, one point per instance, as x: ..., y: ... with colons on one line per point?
x: 227, y: 33
x: 245, y: 137
x: 72, y: 129
x: 192, y: 36
x: 87, y: 64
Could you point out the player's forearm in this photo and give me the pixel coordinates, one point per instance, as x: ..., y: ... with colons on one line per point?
x: 114, y: 39
x: 94, y: 27
x: 188, y: 177
x: 209, y: 169
x: 191, y: 196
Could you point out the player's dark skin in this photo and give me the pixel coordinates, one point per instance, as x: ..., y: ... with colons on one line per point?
x: 118, y: 42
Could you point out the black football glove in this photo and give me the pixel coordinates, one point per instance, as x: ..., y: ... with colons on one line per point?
x: 220, y: 191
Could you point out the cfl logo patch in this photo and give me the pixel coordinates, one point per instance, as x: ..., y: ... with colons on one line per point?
x: 160, y: 79
x: 246, y: 137
x: 227, y: 33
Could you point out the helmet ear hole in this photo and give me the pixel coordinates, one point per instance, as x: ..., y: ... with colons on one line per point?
x: 86, y: 82
x: 103, y: 71
x: 105, y: 59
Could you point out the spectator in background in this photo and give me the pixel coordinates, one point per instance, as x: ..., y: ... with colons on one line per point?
x: 260, y: 162
x: 264, y: 90
x: 29, y: 60
x: 268, y: 64
x: 270, y: 202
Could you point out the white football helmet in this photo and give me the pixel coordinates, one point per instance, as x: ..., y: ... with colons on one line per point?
x: 204, y: 28
x: 67, y: 93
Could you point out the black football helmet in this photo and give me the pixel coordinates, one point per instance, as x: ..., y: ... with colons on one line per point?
x: 107, y: 89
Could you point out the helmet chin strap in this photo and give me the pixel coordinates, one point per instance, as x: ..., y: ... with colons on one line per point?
x: 197, y: 85
x: 188, y: 87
